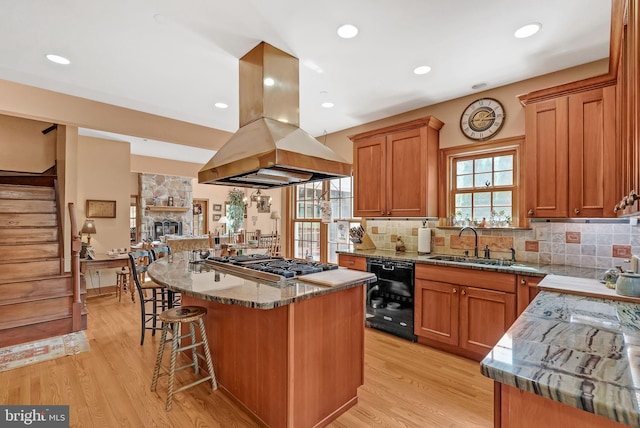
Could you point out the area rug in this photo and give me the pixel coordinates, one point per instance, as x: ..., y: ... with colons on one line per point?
x: 25, y: 354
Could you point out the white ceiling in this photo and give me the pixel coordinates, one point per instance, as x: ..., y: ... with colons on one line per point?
x: 178, y: 58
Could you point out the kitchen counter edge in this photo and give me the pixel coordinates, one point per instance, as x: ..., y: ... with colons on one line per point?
x: 292, y: 290
x: 521, y: 268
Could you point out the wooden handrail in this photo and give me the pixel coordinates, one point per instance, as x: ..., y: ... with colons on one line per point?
x: 76, y: 246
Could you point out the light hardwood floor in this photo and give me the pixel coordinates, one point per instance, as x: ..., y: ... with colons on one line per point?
x: 406, y: 384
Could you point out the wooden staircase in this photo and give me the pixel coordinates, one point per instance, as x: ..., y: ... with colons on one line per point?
x: 36, y: 296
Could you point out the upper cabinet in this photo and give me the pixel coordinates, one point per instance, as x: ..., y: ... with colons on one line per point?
x: 395, y: 170
x: 570, y: 155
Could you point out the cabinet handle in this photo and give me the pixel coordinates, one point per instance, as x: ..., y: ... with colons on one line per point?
x: 464, y: 292
x: 523, y: 281
x: 576, y: 211
x: 388, y: 212
x: 351, y: 262
x: 381, y: 212
x: 455, y: 290
x: 530, y: 212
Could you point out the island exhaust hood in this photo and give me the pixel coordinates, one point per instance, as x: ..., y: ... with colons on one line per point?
x: 269, y: 149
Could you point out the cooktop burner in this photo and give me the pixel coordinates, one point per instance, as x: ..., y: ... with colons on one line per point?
x: 276, y: 265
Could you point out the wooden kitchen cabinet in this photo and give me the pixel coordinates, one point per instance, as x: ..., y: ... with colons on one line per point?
x: 485, y: 315
x: 352, y: 262
x: 395, y: 170
x: 463, y: 311
x: 570, y: 155
x: 436, y: 311
x: 546, y: 158
x: 527, y: 291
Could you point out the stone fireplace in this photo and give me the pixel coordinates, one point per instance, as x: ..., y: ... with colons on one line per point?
x: 165, y: 205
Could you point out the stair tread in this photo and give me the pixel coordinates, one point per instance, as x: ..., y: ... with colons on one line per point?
x: 7, y: 302
x: 31, y: 321
x: 35, y: 278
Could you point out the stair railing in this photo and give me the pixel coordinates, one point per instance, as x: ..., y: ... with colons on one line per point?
x: 76, y: 246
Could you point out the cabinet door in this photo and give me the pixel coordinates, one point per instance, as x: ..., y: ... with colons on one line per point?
x: 369, y: 177
x: 406, y: 174
x: 592, y: 153
x: 546, y: 159
x: 485, y: 315
x: 436, y: 311
x: 527, y: 291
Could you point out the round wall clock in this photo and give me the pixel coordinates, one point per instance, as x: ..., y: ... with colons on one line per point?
x: 482, y: 119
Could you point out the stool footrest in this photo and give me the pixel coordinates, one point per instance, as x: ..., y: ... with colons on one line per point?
x: 197, y: 382
x: 185, y: 348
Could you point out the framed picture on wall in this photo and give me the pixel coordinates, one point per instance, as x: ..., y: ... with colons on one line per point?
x: 217, y: 217
x: 217, y: 207
x: 100, y: 209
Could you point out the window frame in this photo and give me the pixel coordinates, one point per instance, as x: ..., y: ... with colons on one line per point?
x: 447, y: 178
x: 324, y: 227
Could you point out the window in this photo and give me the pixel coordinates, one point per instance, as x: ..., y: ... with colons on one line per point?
x: 313, y: 238
x: 484, y: 184
x: 133, y: 219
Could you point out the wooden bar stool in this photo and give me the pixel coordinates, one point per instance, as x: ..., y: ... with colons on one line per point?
x: 171, y: 320
x: 123, y: 281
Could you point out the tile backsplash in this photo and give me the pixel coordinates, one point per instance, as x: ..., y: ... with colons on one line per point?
x: 597, y: 245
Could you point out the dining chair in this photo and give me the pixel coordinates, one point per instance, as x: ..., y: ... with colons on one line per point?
x: 158, y: 301
x: 161, y: 251
x: 174, y: 298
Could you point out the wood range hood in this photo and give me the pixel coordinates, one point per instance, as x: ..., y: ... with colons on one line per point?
x: 269, y: 149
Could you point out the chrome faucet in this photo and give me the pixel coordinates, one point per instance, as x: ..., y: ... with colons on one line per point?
x: 475, y: 250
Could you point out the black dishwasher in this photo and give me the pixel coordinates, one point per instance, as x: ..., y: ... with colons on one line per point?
x: 390, y: 299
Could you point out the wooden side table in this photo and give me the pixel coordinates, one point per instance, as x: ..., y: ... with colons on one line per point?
x: 102, y: 261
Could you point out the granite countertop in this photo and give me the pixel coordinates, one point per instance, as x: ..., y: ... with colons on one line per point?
x: 519, y: 268
x: 207, y: 282
x: 577, y: 350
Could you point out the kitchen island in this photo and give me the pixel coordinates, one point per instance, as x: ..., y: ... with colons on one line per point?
x: 291, y: 352
x: 568, y: 360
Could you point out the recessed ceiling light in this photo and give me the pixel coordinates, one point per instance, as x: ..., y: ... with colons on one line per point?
x: 58, y: 59
x: 347, y: 31
x: 327, y: 104
x: 423, y: 69
x: 269, y: 81
x: 528, y: 30
x: 479, y: 85
x: 160, y: 18
x: 221, y: 105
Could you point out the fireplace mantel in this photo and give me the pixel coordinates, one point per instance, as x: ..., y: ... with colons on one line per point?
x: 168, y: 208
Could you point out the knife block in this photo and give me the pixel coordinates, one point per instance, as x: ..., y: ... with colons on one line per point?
x: 366, y: 244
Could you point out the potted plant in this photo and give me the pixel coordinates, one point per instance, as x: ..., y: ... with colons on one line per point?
x: 235, y: 209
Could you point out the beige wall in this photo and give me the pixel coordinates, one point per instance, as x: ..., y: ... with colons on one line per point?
x: 103, y: 174
x: 48, y: 106
x: 218, y: 195
x: 24, y: 147
x: 449, y: 112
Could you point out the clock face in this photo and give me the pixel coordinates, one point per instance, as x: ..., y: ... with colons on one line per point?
x: 482, y: 119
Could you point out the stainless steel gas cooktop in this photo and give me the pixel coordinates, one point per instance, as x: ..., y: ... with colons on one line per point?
x: 279, y: 266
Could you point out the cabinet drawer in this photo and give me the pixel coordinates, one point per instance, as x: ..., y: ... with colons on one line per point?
x: 352, y: 262
x: 471, y: 277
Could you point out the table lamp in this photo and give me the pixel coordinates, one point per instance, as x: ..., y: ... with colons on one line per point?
x: 88, y: 228
x: 275, y: 216
x: 223, y: 221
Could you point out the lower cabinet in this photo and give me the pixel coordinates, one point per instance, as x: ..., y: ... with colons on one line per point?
x: 466, y: 318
